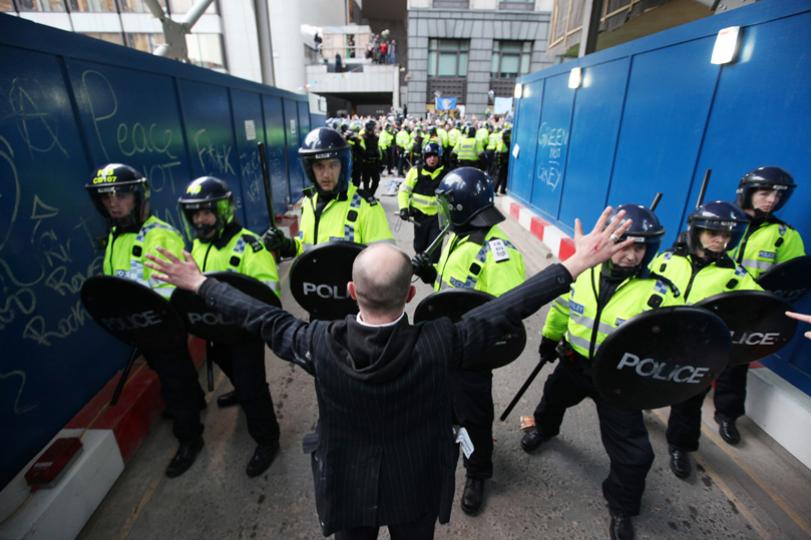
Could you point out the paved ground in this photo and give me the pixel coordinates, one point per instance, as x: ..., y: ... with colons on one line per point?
x: 754, y: 491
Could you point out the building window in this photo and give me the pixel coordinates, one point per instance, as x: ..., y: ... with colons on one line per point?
x: 145, y: 42
x: 138, y: 6
x: 92, y: 6
x: 517, y: 5
x: 111, y: 37
x: 448, y: 57
x: 40, y: 5
x: 451, y: 4
x: 182, y: 6
x: 510, y: 58
x: 205, y: 50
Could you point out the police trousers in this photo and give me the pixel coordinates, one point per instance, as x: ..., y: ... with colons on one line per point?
x: 684, y: 423
x: 623, y: 432
x: 730, y: 392
x: 501, y: 173
x: 421, y: 529
x: 180, y: 389
x: 426, y: 229
x: 244, y: 364
x: 370, y: 176
x: 472, y: 398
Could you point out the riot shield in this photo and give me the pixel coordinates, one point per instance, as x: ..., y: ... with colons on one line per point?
x: 454, y: 303
x: 661, y: 357
x: 318, y: 280
x: 756, y: 320
x: 212, y: 325
x: 789, y: 280
x: 133, y: 313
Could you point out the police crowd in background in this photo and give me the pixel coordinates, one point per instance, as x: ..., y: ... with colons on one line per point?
x: 453, y: 171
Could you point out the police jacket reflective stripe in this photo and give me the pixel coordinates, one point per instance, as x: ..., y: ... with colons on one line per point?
x: 482, y: 262
x: 697, y: 282
x: 577, y: 316
x: 766, y: 245
x: 349, y: 216
x: 418, y: 190
x: 239, y: 250
x: 468, y: 149
x: 126, y: 252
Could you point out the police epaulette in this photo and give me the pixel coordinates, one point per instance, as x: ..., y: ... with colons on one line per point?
x: 670, y: 284
x: 253, y: 241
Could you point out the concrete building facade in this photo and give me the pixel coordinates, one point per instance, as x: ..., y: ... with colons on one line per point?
x: 468, y: 48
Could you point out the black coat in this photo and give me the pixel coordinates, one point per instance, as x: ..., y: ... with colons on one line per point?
x: 383, y: 452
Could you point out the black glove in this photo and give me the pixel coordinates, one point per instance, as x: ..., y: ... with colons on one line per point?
x: 424, y: 268
x: 548, y: 350
x: 405, y: 213
x: 275, y: 240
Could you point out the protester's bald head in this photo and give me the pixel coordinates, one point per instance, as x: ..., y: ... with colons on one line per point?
x: 382, y: 277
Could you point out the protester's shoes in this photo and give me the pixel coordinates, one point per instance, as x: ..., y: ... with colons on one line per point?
x: 680, y: 462
x: 728, y: 430
x: 532, y: 439
x: 228, y: 399
x: 621, y: 528
x: 473, y: 496
x: 262, y: 457
x: 184, y: 457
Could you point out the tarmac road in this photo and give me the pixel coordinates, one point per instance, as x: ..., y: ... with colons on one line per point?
x: 756, y: 490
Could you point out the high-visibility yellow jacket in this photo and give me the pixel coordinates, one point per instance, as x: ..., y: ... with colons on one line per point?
x: 767, y: 244
x: 418, y: 190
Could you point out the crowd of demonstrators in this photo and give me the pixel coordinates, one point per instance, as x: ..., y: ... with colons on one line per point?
x: 395, y: 144
x: 381, y: 49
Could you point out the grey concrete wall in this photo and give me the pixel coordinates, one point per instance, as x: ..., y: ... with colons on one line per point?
x: 481, y: 27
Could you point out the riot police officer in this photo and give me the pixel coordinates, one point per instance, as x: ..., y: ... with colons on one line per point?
x: 766, y: 242
x: 578, y: 322
x: 503, y: 160
x: 469, y: 150
x: 416, y: 197
x: 371, y: 157
x: 477, y: 255
x: 121, y: 195
x: 700, y: 267
x: 332, y: 209
x: 222, y: 244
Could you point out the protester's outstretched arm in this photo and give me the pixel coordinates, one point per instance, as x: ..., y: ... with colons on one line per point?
x: 800, y: 317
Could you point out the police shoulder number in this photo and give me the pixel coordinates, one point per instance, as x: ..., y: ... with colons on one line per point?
x: 499, y: 250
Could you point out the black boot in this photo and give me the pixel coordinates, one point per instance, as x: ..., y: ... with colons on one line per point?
x: 184, y: 457
x: 727, y: 429
x: 532, y: 439
x: 228, y: 399
x: 680, y: 462
x: 262, y: 458
x: 473, y: 496
x: 621, y: 528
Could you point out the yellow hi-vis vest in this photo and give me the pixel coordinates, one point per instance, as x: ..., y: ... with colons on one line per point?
x: 574, y: 315
x: 482, y: 262
x: 125, y: 253
x: 767, y: 245
x: 418, y: 190
x: 715, y: 278
x: 349, y: 216
x: 467, y: 149
x: 244, y: 253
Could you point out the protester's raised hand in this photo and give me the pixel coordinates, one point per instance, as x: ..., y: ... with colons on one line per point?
x: 800, y: 317
x: 183, y: 274
x: 600, y: 244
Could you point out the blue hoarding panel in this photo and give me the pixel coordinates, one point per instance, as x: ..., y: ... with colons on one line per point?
x: 552, y: 143
x: 662, y: 128
x: 522, y: 168
x: 295, y: 174
x: 277, y: 151
x: 592, y: 144
x: 249, y: 131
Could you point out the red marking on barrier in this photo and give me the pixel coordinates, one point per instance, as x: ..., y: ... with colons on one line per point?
x: 536, y: 227
x: 566, y: 248
x: 515, y: 210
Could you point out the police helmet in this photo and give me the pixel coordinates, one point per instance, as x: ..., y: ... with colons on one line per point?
x: 645, y: 229
x: 771, y: 178
x: 114, y: 179
x: 370, y: 126
x: 457, y: 124
x: 506, y: 135
x: 465, y: 196
x: 471, y: 131
x: 354, y: 126
x: 432, y: 132
x: 325, y: 143
x: 719, y: 216
x: 207, y: 193
x: 432, y: 149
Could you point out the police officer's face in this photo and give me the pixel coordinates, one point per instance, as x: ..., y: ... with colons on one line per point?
x: 432, y: 160
x: 630, y: 256
x: 765, y: 199
x: 118, y: 205
x: 714, y: 240
x: 327, y: 172
x: 205, y: 217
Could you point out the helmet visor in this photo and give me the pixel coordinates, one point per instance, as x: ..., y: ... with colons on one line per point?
x: 443, y: 210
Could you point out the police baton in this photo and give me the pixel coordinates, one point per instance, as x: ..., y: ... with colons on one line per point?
x: 437, y: 242
x: 523, y: 389
x: 210, y: 364
x: 124, y: 376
